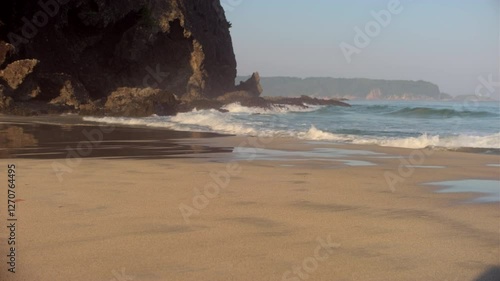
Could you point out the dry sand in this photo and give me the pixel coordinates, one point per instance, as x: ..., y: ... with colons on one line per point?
x: 119, y: 219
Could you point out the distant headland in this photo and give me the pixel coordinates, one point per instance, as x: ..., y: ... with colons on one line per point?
x: 355, y: 89
x: 351, y: 88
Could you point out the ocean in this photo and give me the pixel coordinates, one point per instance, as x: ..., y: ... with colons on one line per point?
x: 407, y: 124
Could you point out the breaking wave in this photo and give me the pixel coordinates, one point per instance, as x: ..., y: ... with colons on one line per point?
x: 273, y: 109
x: 426, y: 112
x: 422, y: 141
x: 240, y: 120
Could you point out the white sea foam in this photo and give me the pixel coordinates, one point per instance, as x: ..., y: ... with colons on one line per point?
x: 274, y: 109
x: 213, y: 121
x: 409, y: 142
x: 196, y: 120
x: 315, y: 134
x: 148, y: 121
x: 423, y: 141
x: 234, y: 123
x: 490, y: 141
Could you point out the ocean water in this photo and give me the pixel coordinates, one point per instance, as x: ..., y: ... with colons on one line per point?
x: 440, y: 125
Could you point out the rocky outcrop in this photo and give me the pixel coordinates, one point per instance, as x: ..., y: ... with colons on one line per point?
x: 237, y: 96
x: 62, y: 89
x: 17, y: 72
x: 140, y: 102
x: 19, y: 79
x: 94, y: 47
x: 252, y: 85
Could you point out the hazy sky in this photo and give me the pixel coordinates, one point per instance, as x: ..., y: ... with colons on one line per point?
x: 448, y: 42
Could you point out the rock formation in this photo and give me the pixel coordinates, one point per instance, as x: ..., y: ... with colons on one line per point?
x: 127, y: 58
x: 71, y: 52
x: 249, y: 89
x: 62, y: 89
x: 252, y: 85
x: 140, y: 102
x: 20, y: 81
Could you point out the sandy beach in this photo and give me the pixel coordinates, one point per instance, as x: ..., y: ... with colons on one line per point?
x: 233, y: 140
x: 249, y: 214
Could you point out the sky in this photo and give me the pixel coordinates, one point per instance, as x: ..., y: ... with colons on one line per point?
x: 452, y: 43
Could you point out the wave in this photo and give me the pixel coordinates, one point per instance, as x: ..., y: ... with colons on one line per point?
x: 196, y: 120
x: 273, y: 109
x: 426, y: 112
x: 315, y: 134
x: 375, y: 108
x: 423, y: 141
x: 225, y: 123
x: 212, y: 121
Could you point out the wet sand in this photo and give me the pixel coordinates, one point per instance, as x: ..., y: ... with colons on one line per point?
x: 70, y: 137
x: 301, y: 213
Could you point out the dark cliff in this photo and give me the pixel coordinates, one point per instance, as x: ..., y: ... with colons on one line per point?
x: 83, y: 50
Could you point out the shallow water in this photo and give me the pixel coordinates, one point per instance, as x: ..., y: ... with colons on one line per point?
x: 489, y: 189
x: 315, y: 154
x: 425, y: 167
x: 357, y: 163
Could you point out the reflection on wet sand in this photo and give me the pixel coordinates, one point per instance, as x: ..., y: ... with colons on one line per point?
x: 56, y: 141
x: 14, y: 137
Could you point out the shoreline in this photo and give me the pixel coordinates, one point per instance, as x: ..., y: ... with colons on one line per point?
x: 78, y: 121
x: 71, y: 131
x: 244, y: 208
x: 102, y: 141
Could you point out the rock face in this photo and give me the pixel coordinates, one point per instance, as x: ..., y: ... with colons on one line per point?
x: 121, y: 58
x: 94, y: 47
x: 62, y: 89
x: 140, y: 102
x: 17, y: 72
x: 236, y: 96
x: 19, y: 79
